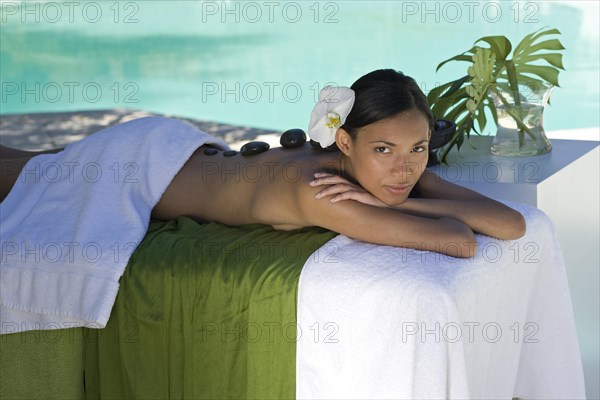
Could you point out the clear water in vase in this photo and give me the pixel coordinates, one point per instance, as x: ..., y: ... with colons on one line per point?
x: 510, y: 141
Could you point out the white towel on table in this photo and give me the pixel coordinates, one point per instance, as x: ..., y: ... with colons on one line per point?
x: 72, y: 220
x: 379, y: 322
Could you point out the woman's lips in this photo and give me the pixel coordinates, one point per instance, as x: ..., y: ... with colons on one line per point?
x: 398, y: 189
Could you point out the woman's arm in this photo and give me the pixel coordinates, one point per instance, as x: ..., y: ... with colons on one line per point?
x: 386, y: 226
x: 441, y: 199
x: 483, y: 214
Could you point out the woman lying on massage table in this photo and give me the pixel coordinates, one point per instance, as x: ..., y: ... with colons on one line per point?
x: 375, y: 188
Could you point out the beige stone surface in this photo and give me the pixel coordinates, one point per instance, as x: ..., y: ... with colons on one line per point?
x: 42, y: 131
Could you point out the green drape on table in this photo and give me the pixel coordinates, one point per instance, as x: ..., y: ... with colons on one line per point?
x: 204, y: 311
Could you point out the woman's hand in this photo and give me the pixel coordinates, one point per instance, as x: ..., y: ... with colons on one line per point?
x: 342, y: 189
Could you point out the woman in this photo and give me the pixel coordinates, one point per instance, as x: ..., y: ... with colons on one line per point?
x: 367, y: 190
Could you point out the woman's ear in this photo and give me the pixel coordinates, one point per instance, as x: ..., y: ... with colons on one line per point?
x: 343, y: 141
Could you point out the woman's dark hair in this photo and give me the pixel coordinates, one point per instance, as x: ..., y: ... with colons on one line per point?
x: 382, y: 94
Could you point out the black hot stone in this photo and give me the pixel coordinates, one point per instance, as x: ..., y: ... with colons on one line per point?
x: 443, y: 132
x: 229, y: 153
x: 293, y: 138
x: 254, y: 148
x: 210, y: 151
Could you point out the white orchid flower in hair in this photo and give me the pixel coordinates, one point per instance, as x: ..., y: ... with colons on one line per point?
x: 335, y: 103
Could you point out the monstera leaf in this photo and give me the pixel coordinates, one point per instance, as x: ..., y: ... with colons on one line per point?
x: 466, y: 99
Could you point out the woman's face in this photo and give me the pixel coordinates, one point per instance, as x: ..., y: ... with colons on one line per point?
x: 388, y: 157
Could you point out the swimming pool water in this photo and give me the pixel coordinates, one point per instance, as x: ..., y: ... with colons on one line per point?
x: 262, y: 63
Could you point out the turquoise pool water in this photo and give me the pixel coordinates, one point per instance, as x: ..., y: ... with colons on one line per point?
x: 262, y: 63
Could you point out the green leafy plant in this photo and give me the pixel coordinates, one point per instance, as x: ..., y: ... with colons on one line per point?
x: 490, y: 72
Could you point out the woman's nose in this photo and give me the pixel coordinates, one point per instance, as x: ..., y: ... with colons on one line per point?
x: 404, y: 168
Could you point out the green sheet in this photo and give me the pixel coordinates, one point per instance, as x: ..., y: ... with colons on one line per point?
x: 204, y: 311
x: 42, y: 365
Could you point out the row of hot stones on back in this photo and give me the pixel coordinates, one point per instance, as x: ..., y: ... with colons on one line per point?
x: 289, y: 139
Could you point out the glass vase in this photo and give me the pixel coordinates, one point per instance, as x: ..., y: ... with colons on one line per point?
x: 528, y: 139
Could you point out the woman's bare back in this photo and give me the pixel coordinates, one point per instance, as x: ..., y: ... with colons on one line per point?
x: 261, y: 188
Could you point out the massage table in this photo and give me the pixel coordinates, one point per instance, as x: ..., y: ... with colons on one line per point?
x: 207, y: 311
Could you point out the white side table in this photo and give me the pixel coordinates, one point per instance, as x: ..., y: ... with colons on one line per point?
x: 565, y: 185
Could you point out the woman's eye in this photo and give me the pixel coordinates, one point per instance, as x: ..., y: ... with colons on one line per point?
x: 419, y: 149
x: 382, y: 149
